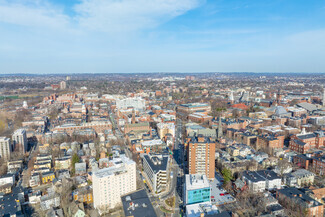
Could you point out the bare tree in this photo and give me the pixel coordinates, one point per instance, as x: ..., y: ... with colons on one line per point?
x: 283, y: 165
x: 3, y: 167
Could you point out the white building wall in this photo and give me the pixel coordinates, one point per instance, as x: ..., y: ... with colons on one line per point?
x: 136, y: 103
x: 5, y: 148
x: 110, y: 186
x: 19, y: 137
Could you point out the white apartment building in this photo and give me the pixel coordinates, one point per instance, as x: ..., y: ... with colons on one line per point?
x: 137, y: 103
x: 111, y: 183
x: 5, y: 148
x: 155, y: 168
x: 19, y: 138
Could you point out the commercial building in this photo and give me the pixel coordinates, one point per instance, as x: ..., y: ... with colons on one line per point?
x: 155, y: 168
x: 200, y: 117
x: 19, y: 139
x: 5, y: 148
x: 137, y: 204
x: 97, y: 126
x: 204, y: 209
x: 201, y: 156
x: 10, y: 204
x: 197, y: 189
x: 111, y: 183
x: 145, y: 127
x: 194, y: 107
x: 136, y: 103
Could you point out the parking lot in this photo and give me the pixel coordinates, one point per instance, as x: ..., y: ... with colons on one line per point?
x: 219, y: 196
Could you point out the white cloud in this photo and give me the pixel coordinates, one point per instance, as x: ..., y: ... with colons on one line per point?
x: 32, y: 14
x: 125, y: 15
x: 100, y: 15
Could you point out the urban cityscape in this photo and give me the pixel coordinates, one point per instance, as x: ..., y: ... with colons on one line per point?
x: 162, y: 108
x: 208, y: 144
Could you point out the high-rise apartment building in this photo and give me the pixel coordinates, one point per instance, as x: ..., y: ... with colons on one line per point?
x: 111, y: 183
x: 5, y: 148
x: 19, y: 138
x: 201, y: 156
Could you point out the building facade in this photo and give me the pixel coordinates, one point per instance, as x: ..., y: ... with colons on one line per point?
x: 201, y: 156
x: 111, y: 183
x: 5, y: 148
x: 197, y: 189
x: 19, y: 138
x: 155, y: 168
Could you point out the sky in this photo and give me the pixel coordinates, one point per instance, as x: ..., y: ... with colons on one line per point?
x: 125, y: 36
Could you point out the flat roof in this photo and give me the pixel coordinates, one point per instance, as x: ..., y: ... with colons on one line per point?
x: 196, y: 181
x: 195, y: 210
x: 137, y: 204
x: 192, y: 105
x: 119, y: 166
x: 157, y: 162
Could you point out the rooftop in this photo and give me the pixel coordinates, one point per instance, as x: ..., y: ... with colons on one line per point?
x: 137, y: 204
x: 193, y: 105
x: 118, y: 167
x: 157, y: 162
x: 260, y: 175
x: 196, y: 181
x: 299, y: 197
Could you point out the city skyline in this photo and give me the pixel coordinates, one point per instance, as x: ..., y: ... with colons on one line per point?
x: 48, y: 36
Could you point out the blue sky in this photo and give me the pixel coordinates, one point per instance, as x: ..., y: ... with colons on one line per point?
x: 77, y: 36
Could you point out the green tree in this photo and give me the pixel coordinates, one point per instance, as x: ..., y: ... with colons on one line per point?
x: 75, y: 159
x: 227, y: 176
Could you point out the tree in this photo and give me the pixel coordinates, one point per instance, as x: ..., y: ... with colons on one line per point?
x: 282, y: 166
x: 227, y: 175
x: 75, y: 159
x: 3, y: 167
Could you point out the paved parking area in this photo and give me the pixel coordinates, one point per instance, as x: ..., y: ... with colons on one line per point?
x: 220, y: 196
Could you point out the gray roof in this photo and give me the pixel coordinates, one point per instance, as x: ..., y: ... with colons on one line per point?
x: 309, y: 107
x: 306, y: 136
x: 144, y: 207
x: 280, y: 110
x: 299, y: 142
x: 9, y: 204
x: 161, y: 163
x: 260, y: 175
x: 299, y: 197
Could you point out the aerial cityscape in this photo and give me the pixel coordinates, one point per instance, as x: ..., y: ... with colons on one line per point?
x: 162, y: 108
x: 166, y: 144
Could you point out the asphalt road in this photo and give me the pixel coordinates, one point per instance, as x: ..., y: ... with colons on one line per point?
x: 176, y: 184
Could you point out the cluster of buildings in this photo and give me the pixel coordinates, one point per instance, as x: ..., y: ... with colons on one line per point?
x: 202, y: 145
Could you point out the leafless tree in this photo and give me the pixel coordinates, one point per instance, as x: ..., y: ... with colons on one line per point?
x: 3, y: 167
x: 283, y: 165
